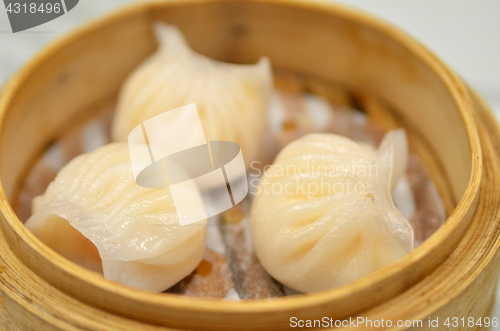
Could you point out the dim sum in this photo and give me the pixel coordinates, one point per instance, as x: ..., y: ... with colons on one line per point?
x: 323, y: 214
x: 95, y: 214
x: 232, y: 99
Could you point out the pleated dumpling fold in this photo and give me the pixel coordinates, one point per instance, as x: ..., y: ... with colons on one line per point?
x: 323, y: 214
x: 232, y: 99
x: 95, y: 214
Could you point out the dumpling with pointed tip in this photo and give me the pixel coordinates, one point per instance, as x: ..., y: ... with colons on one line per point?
x: 95, y: 214
x: 323, y: 215
x: 232, y: 99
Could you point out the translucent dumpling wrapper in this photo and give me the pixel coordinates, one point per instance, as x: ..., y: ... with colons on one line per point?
x: 323, y: 214
x: 232, y: 99
x: 95, y: 214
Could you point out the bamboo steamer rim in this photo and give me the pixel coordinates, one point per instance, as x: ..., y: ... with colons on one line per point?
x: 488, y: 124
x: 465, y: 206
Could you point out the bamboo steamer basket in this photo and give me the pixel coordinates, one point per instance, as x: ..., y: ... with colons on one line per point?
x: 453, y: 273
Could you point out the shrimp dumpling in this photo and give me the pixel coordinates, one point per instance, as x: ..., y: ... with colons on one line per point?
x: 323, y: 214
x: 232, y: 99
x: 95, y: 214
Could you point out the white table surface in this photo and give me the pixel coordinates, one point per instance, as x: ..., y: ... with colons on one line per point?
x: 464, y: 33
